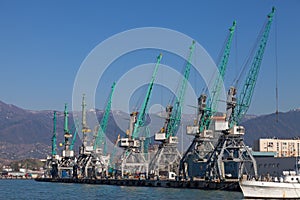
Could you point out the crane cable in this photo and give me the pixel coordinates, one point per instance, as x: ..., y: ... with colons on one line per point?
x: 276, y: 66
x: 216, y: 72
x: 247, y: 63
x: 236, y: 52
x: 181, y: 77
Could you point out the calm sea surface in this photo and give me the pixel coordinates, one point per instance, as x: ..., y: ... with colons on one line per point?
x: 30, y: 189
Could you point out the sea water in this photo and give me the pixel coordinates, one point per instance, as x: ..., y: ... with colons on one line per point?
x: 30, y: 189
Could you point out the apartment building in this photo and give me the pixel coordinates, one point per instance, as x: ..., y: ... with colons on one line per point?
x: 282, y: 147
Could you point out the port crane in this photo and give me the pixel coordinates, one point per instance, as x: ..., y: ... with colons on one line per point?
x: 132, y: 158
x: 167, y: 156
x: 53, y: 160
x: 68, y: 159
x: 84, y: 161
x: 100, y: 159
x: 231, y: 158
x: 92, y: 159
x: 195, y: 157
x: 99, y: 137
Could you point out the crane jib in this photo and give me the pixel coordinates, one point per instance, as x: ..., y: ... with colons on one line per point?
x: 175, y: 118
x: 141, y: 116
x: 100, y: 137
x: 212, y: 102
x: 245, y: 96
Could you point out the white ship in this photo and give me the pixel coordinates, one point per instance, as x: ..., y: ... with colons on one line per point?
x: 286, y: 187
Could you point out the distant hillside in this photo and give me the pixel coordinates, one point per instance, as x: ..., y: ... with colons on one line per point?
x: 19, y: 126
x: 24, y: 133
x: 27, y: 134
x: 287, y: 126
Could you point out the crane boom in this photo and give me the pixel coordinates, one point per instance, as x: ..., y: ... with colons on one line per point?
x: 104, y: 121
x: 222, y: 69
x: 74, y: 135
x: 175, y: 118
x: 141, y: 116
x: 54, y: 146
x: 66, y: 114
x: 246, y: 94
x: 216, y: 89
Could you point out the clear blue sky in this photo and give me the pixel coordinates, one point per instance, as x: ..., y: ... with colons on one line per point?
x: 43, y: 43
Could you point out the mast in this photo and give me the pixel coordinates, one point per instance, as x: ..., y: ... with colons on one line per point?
x: 54, y: 137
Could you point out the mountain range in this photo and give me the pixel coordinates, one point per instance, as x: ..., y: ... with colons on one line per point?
x: 27, y: 133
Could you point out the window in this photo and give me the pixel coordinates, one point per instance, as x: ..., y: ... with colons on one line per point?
x: 270, y: 144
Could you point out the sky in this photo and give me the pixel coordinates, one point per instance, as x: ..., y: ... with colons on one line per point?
x: 44, y: 43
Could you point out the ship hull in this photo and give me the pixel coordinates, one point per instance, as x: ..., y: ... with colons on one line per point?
x: 204, y: 185
x: 270, y: 190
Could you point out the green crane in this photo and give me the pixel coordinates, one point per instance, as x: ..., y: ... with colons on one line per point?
x: 231, y: 155
x: 212, y: 101
x: 74, y: 135
x: 100, y: 136
x: 73, y: 130
x: 141, y: 115
x: 167, y: 156
x: 205, y: 114
x: 132, y: 142
x: 175, y: 117
x: 66, y: 114
x: 246, y: 94
x: 54, y: 146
